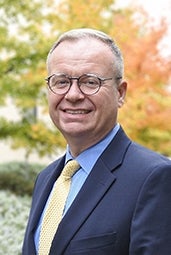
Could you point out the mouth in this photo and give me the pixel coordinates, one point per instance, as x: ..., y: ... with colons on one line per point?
x: 76, y: 111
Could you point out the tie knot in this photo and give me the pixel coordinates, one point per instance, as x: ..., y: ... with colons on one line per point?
x: 70, y: 168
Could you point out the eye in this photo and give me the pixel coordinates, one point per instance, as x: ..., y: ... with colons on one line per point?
x: 89, y: 81
x: 92, y: 81
x: 60, y: 82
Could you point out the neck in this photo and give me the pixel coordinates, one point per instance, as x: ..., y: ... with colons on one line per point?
x: 79, y: 144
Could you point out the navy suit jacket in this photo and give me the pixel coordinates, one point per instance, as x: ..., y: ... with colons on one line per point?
x: 123, y: 208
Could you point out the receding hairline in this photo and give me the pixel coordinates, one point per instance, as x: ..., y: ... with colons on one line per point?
x: 78, y: 34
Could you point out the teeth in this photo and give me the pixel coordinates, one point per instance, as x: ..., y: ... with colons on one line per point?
x: 76, y: 112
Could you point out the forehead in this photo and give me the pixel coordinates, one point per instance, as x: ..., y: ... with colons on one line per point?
x: 81, y: 50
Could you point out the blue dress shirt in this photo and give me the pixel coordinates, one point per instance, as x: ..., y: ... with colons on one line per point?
x: 87, y: 160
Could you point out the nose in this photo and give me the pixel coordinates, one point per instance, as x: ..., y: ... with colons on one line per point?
x: 74, y: 92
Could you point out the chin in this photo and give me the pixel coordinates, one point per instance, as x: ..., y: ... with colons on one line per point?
x: 75, y: 133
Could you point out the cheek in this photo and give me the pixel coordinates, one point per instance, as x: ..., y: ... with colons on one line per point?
x: 53, y: 100
x: 110, y: 107
x: 107, y: 109
x: 110, y: 101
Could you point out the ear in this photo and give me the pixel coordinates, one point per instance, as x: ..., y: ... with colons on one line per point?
x: 122, y: 88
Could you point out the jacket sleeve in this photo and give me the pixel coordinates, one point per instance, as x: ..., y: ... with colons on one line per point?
x: 151, y: 224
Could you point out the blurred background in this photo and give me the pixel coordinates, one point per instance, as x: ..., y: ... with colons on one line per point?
x: 28, y: 139
x: 28, y: 30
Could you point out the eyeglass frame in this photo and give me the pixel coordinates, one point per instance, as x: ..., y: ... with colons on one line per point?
x: 100, y: 79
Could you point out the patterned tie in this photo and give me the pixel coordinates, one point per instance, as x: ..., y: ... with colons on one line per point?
x: 55, y: 208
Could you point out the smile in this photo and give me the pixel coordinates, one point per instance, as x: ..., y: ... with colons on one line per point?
x: 77, y: 111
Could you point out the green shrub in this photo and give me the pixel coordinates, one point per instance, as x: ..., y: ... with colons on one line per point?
x: 19, y: 177
x: 14, y: 212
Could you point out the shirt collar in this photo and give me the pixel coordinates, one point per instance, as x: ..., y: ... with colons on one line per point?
x: 88, y: 158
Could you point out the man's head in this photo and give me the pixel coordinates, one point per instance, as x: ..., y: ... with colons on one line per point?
x: 85, y: 86
x: 85, y: 33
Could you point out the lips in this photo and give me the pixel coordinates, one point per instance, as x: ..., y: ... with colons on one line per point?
x: 79, y: 111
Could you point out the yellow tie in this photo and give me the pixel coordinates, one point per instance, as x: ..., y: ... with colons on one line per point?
x: 55, y: 208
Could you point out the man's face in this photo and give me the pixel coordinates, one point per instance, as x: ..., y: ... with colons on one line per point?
x: 76, y: 115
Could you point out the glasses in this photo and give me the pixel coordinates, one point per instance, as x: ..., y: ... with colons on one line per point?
x: 88, y: 84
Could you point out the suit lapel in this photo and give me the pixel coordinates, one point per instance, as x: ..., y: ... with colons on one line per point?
x: 93, y: 190
x: 43, y: 190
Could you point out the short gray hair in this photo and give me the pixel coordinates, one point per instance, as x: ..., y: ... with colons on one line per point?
x: 81, y: 33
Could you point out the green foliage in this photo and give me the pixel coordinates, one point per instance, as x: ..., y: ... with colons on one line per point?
x: 19, y: 177
x: 33, y: 136
x: 14, y: 211
x: 27, y: 31
x: 23, y: 50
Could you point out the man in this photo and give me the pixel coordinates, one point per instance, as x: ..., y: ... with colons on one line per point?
x: 120, y: 198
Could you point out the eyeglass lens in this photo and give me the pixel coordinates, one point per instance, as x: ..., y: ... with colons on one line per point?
x: 88, y: 84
